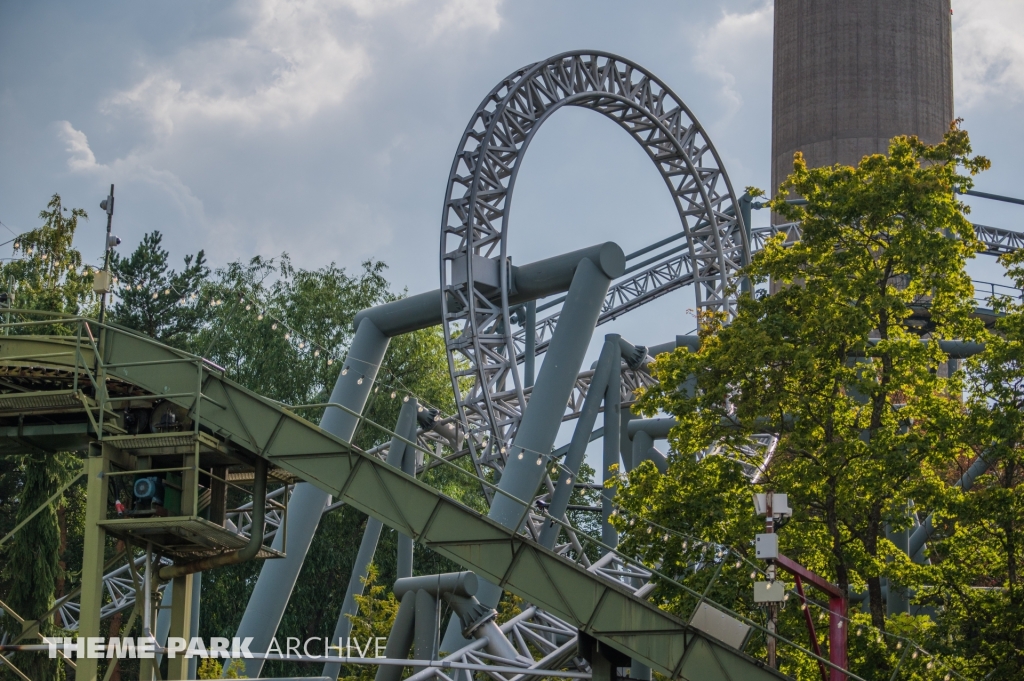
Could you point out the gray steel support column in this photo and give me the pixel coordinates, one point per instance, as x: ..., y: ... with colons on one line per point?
x: 426, y: 625
x: 966, y: 481
x: 897, y: 600
x: 277, y: 577
x: 371, y: 535
x: 530, y: 352
x: 399, y: 640
x: 543, y: 415
x: 612, y: 445
x: 644, y: 450
x: 163, y: 619
x: 408, y: 465
x: 578, y: 445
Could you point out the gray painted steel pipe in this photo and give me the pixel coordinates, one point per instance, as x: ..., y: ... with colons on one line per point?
x: 425, y: 628
x: 543, y: 415
x: 408, y: 466
x: 371, y: 535
x: 644, y: 450
x: 399, y: 641
x: 529, y: 282
x: 611, y: 445
x: 656, y: 428
x: 464, y: 584
x: 581, y: 437
x: 277, y: 578
x: 555, y: 382
x: 921, y: 534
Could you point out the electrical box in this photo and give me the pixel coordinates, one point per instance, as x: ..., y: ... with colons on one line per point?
x: 101, y: 281
x: 780, y: 505
x: 767, y: 546
x: 769, y: 592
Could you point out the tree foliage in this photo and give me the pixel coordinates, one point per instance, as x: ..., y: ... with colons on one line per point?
x: 842, y: 363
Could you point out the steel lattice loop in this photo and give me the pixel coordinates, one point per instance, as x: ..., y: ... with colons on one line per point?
x: 474, y: 231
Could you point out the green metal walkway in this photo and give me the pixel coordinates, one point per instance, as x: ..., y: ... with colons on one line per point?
x: 95, y: 375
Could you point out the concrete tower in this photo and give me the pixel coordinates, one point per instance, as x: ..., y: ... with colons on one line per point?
x: 851, y: 74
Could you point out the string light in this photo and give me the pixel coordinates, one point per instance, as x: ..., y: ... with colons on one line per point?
x: 259, y: 317
x: 359, y: 381
x: 392, y: 394
x: 539, y: 461
x: 568, y: 480
x: 344, y: 372
x: 330, y: 361
x: 287, y: 336
x: 405, y: 399
x: 274, y: 326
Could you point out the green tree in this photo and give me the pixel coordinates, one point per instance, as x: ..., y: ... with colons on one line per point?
x: 858, y: 438
x: 156, y: 300
x: 978, y: 548
x: 50, y: 276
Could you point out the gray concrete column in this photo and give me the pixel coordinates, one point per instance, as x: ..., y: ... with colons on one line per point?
x: 277, y: 578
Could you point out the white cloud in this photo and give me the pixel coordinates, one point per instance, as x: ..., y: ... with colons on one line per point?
x: 132, y: 168
x: 988, y: 52
x: 734, y: 48
x: 80, y: 156
x: 461, y: 15
x: 294, y: 59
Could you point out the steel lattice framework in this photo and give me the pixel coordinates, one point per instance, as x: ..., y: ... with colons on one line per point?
x: 475, y: 275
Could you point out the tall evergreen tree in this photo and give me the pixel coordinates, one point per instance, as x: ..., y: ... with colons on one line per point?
x: 157, y: 300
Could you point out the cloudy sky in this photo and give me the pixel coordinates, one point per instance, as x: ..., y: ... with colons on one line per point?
x: 326, y: 128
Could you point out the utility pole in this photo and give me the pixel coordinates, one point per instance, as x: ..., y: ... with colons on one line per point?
x: 773, y: 610
x: 770, y: 593
x: 101, y: 283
